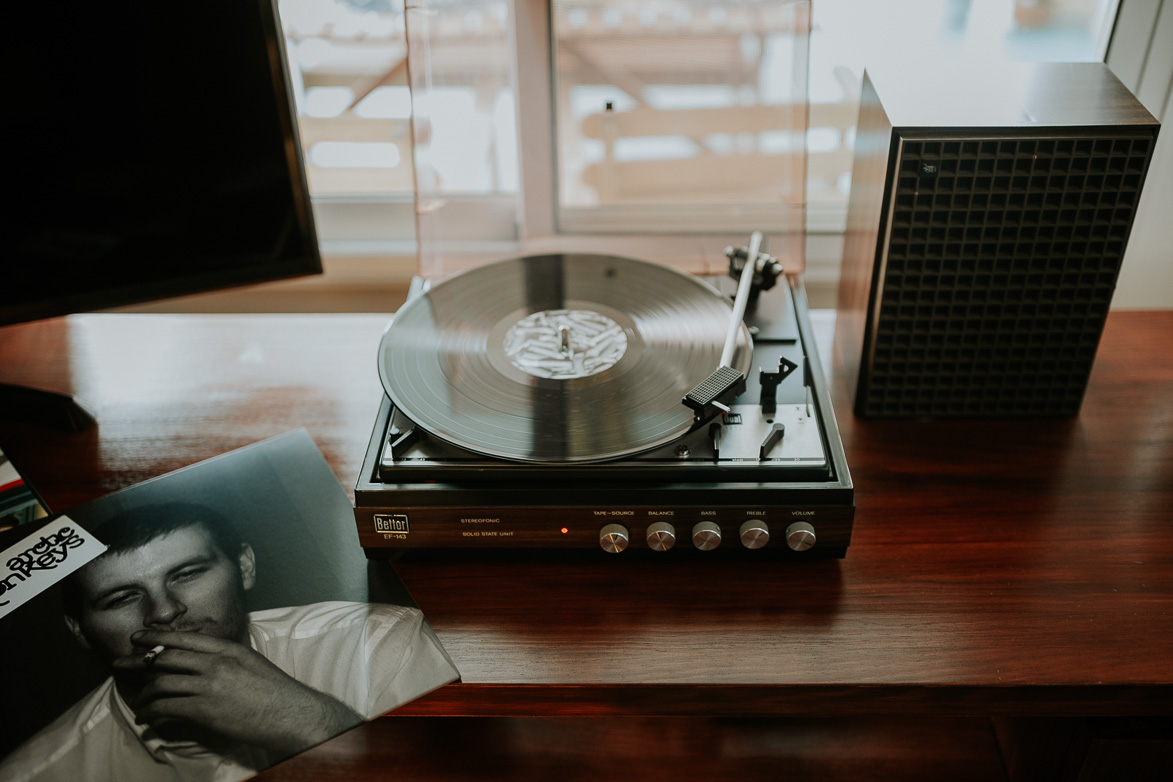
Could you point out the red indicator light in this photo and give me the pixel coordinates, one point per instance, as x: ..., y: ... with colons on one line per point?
x: 565, y: 530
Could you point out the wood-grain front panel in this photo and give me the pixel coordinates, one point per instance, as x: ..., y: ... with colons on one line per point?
x: 568, y: 527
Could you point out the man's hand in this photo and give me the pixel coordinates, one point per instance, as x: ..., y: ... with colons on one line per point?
x: 231, y: 690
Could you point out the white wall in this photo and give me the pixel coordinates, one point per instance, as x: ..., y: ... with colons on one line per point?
x: 1141, y: 56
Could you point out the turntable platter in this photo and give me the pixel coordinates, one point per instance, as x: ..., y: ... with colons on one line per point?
x: 557, y: 358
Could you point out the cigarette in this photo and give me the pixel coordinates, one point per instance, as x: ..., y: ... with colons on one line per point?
x: 149, y: 657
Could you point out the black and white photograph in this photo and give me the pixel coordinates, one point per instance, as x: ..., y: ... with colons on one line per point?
x: 231, y: 622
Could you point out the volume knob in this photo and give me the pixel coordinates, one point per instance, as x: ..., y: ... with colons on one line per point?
x: 661, y: 536
x: 800, y: 536
x: 613, y: 538
x: 706, y: 536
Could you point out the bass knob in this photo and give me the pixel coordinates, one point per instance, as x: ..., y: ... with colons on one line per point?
x: 706, y: 535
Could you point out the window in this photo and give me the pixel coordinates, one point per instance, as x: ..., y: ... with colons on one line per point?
x: 849, y: 35
x: 350, y: 61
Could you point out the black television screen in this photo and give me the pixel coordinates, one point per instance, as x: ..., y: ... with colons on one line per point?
x: 152, y: 152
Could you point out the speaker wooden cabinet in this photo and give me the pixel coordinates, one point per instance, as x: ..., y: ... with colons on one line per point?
x: 988, y: 218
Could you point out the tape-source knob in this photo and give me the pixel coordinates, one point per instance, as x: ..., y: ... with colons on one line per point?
x: 613, y: 538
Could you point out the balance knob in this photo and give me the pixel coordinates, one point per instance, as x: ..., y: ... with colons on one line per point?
x: 800, y: 536
x: 613, y: 538
x: 706, y: 536
x: 755, y: 533
x: 661, y: 536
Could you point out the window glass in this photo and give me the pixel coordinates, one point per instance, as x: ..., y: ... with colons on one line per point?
x: 348, y: 60
x: 688, y: 113
x: 726, y: 62
x: 848, y: 35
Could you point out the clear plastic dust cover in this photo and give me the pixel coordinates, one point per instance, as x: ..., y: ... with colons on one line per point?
x: 662, y: 130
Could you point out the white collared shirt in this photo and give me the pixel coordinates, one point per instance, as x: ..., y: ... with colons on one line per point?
x: 372, y: 657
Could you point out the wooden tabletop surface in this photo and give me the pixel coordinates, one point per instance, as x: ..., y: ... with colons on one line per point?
x: 996, y: 567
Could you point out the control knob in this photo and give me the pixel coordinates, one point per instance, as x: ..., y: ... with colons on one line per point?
x: 661, y: 536
x: 613, y: 538
x: 800, y: 536
x: 706, y: 535
x: 754, y: 533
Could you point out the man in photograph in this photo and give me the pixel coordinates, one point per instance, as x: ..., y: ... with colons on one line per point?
x: 202, y: 689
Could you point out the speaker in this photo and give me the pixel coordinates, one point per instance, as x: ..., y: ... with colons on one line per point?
x: 988, y: 217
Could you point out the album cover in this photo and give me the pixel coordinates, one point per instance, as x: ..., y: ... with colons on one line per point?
x: 19, y: 504
x: 203, y: 625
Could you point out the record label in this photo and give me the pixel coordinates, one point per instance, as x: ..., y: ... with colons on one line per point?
x: 565, y: 344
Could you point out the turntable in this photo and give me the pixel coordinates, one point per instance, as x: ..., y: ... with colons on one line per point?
x: 590, y: 359
x: 551, y: 402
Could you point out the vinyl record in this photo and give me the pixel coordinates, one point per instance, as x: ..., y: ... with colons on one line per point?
x: 557, y: 358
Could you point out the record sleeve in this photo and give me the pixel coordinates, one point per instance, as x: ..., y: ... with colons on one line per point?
x: 224, y: 619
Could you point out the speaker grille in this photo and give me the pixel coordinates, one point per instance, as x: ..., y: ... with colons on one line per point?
x: 1001, y: 262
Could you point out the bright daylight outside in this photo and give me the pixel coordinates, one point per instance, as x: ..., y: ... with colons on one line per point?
x: 349, y: 62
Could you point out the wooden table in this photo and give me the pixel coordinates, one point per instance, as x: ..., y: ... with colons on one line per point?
x: 1007, y: 599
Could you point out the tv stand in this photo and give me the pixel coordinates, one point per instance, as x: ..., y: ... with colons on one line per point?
x: 50, y: 408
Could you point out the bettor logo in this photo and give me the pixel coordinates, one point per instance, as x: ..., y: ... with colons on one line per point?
x: 396, y: 522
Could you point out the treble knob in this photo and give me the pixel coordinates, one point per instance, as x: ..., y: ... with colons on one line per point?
x: 754, y: 533
x: 613, y: 538
x: 661, y: 536
x: 706, y: 536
